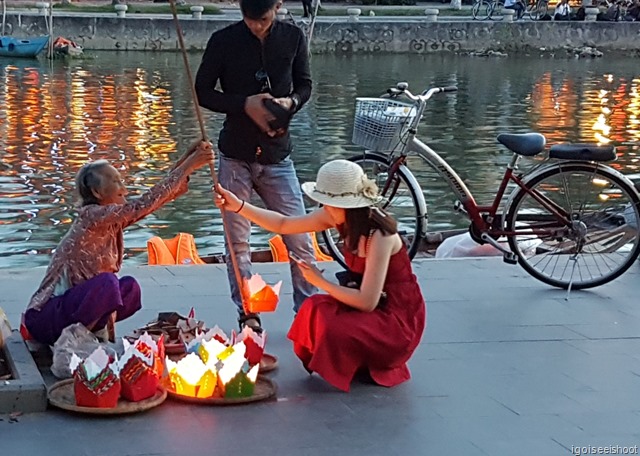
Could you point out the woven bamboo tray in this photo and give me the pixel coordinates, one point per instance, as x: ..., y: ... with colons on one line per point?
x: 62, y: 395
x: 264, y: 389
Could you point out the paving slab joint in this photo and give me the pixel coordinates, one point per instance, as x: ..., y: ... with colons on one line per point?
x: 26, y: 391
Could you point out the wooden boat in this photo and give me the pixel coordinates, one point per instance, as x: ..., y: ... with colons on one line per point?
x: 27, y: 47
x: 16, y: 47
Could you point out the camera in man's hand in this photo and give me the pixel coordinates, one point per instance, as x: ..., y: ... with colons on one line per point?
x: 282, y: 116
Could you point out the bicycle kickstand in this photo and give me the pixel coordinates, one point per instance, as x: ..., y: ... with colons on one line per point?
x: 508, y: 256
x: 573, y: 258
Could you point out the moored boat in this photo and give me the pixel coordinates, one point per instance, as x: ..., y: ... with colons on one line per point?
x: 27, y: 47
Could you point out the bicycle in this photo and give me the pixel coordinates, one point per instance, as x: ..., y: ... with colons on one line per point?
x: 485, y: 9
x: 571, y: 221
x: 537, y: 9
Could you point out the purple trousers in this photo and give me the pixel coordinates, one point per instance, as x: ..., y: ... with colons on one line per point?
x: 91, y: 301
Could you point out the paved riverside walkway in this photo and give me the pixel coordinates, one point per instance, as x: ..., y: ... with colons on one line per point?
x: 507, y: 367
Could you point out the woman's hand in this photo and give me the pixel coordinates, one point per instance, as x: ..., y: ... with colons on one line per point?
x: 199, y: 154
x: 202, y: 155
x: 311, y: 273
x: 193, y: 148
x: 226, y: 200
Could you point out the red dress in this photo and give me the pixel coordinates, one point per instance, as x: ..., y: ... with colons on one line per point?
x: 336, y: 340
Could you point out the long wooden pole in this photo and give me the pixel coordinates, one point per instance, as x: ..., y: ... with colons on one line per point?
x: 214, y: 176
x: 312, y: 26
x: 50, y: 30
x: 4, y: 15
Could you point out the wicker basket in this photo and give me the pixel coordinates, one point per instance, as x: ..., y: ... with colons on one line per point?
x: 379, y: 122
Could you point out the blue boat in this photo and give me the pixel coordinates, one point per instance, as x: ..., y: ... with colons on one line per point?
x: 28, y: 47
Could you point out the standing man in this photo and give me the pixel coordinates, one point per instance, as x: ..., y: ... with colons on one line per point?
x: 262, y: 65
x: 306, y: 8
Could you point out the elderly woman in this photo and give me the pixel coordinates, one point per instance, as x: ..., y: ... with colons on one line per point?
x: 374, y: 324
x: 81, y: 284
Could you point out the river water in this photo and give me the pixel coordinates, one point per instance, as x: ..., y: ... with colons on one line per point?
x: 134, y: 109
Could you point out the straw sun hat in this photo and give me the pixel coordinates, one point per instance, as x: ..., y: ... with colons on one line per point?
x: 343, y: 184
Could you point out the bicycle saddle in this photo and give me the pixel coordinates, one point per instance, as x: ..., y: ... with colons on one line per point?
x: 527, y: 144
x: 583, y: 152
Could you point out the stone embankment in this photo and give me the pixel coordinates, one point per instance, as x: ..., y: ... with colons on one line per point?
x: 342, y: 35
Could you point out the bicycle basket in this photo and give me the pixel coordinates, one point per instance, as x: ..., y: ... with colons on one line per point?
x: 379, y: 122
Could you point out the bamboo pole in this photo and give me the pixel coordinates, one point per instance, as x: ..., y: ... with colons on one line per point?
x: 214, y: 176
x: 4, y: 15
x: 312, y: 26
x: 50, y: 29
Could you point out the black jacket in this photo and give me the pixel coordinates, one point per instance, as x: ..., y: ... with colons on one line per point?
x: 233, y: 56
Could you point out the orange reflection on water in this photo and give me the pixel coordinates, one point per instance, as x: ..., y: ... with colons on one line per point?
x: 554, y: 107
x: 54, y: 120
x: 606, y: 111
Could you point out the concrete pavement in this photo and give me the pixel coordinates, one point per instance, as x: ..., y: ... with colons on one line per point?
x: 507, y: 366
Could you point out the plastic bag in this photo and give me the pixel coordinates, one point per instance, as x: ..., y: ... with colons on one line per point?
x: 75, y: 339
x: 462, y: 245
x: 5, y: 327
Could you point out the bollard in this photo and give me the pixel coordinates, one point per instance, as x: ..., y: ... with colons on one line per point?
x: 121, y: 10
x: 282, y: 14
x: 42, y: 7
x: 431, y: 14
x: 353, y: 14
x: 196, y: 12
x: 590, y: 14
x: 507, y: 14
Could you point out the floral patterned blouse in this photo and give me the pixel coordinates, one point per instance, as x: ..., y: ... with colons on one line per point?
x: 95, y: 241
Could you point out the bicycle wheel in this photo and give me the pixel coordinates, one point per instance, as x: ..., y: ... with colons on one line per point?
x: 481, y: 10
x: 603, y: 238
x: 403, y: 199
x: 542, y: 6
x: 496, y: 11
x: 531, y: 11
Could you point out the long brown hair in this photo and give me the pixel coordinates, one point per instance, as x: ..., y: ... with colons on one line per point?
x: 362, y: 221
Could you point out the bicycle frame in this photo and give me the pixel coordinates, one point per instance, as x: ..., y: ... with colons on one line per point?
x: 565, y: 244
x: 483, y: 217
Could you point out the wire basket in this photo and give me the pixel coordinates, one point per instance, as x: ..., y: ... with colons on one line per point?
x: 379, y: 122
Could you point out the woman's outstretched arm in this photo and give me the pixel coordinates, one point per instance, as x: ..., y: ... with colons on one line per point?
x: 270, y: 220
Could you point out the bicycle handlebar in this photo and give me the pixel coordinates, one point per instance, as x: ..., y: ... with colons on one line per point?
x: 402, y: 88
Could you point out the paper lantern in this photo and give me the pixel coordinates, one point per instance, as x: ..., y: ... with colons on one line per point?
x: 254, y: 344
x: 96, y: 381
x: 262, y: 297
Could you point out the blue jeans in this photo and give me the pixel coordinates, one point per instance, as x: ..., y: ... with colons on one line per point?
x: 278, y: 187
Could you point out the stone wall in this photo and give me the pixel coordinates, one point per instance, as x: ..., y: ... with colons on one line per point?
x: 342, y: 36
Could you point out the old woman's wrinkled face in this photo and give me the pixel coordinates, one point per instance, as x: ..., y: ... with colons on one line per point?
x: 112, y: 189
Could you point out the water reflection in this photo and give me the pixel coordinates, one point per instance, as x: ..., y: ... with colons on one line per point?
x: 134, y: 110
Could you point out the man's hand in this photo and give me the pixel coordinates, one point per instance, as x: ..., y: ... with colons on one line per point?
x: 286, y: 102
x: 255, y: 109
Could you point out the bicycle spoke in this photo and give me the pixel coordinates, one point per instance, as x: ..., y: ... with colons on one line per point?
x: 598, y: 241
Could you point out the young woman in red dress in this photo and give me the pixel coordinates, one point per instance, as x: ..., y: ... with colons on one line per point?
x: 373, y: 328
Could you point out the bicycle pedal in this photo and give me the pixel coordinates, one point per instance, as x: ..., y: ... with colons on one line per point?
x: 510, y: 258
